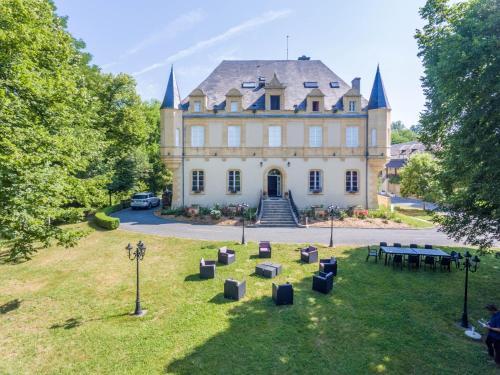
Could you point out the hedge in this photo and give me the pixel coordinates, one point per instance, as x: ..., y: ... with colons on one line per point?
x: 102, y: 219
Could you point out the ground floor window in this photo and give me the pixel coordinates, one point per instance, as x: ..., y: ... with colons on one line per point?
x: 198, y: 181
x: 351, y: 182
x: 234, y: 182
x: 315, y: 183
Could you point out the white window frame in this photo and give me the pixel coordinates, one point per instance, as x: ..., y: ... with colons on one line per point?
x: 351, y: 181
x: 315, y: 180
x: 234, y: 181
x: 197, y: 136
x: 315, y: 136
x: 233, y: 136
x: 197, y: 106
x: 352, y: 136
x: 274, y: 137
x: 177, y: 137
x: 234, y: 106
x: 197, y: 180
x: 374, y: 136
x: 352, y: 106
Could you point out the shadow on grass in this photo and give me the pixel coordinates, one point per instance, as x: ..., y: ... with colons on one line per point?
x: 219, y: 299
x: 194, y: 277
x: 67, y: 324
x: 10, y: 306
x: 255, y: 256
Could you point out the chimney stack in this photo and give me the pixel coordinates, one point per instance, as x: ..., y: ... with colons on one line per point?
x: 356, y: 84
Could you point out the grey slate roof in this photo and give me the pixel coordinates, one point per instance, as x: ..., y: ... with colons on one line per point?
x: 378, y: 98
x: 396, y: 163
x: 404, y: 150
x: 172, y: 97
x: 291, y: 73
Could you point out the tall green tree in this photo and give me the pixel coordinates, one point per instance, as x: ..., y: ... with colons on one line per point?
x: 459, y: 47
x: 401, y: 134
x: 418, y: 178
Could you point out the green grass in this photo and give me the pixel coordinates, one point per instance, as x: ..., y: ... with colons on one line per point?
x: 414, y: 217
x: 66, y: 311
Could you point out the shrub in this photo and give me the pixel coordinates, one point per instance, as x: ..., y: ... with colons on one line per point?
x: 342, y: 215
x: 397, y: 220
x: 215, y: 214
x: 396, y: 180
x: 205, y: 211
x: 102, y: 219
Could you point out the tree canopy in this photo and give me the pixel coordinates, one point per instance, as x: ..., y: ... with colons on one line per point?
x: 401, y: 134
x: 460, y: 53
x: 64, y: 128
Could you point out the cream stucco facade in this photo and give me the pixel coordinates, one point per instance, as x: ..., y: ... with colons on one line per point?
x: 348, y: 161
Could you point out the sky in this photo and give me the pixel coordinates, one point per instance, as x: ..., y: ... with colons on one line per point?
x: 144, y: 38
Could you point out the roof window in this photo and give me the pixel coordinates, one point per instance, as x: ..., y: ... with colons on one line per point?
x: 311, y: 85
x: 248, y: 85
x: 335, y: 84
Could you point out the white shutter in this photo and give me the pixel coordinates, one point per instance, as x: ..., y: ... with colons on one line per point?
x: 352, y: 137
x: 274, y: 136
x: 234, y: 106
x: 374, y: 137
x: 197, y: 136
x: 233, y: 136
x: 315, y: 136
x: 177, y: 137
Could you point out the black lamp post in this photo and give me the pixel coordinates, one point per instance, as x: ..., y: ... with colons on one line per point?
x: 331, y: 211
x: 137, y: 254
x: 243, y: 207
x: 470, y: 264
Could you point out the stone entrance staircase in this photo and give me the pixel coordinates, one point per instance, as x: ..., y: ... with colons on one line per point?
x: 276, y: 212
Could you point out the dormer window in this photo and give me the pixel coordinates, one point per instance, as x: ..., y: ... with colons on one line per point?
x: 335, y: 84
x: 315, y: 105
x: 234, y: 106
x: 275, y: 102
x: 352, y: 106
x: 197, y: 106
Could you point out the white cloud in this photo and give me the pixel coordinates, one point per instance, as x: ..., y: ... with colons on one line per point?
x: 174, y: 28
x: 229, y: 33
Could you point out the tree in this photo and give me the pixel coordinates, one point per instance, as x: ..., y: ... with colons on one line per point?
x: 459, y: 49
x: 418, y: 178
x: 400, y: 134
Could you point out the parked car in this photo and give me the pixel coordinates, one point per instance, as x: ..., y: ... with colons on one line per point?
x: 144, y: 200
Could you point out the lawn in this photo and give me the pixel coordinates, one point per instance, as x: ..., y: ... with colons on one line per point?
x: 66, y: 311
x: 414, y: 217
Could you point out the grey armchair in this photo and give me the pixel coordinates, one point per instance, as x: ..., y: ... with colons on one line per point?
x: 309, y: 254
x: 207, y: 269
x: 226, y: 256
x: 328, y: 265
x: 323, y: 282
x: 234, y: 289
x: 264, y: 249
x: 283, y: 294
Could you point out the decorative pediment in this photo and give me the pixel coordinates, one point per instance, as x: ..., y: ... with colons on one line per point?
x: 197, y: 92
x: 275, y: 83
x: 234, y: 92
x: 316, y: 93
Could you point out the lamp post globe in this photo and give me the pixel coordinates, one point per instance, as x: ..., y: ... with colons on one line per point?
x: 331, y: 211
x: 243, y: 207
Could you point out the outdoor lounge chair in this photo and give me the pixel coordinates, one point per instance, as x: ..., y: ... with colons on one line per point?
x: 283, y: 294
x: 207, y: 269
x: 397, y: 260
x: 226, y: 256
x: 396, y: 244
x: 309, y: 254
x: 234, y: 289
x: 414, y: 246
x: 328, y: 265
x: 430, y: 261
x: 428, y: 247
x: 323, y: 282
x: 445, y: 263
x: 372, y: 253
x: 264, y: 249
x: 413, y: 261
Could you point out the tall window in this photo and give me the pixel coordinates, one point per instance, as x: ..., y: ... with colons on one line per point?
x: 233, y: 136
x: 315, y: 183
x: 274, y: 136
x: 197, y: 136
x: 315, y: 106
x: 352, y: 106
x: 351, y: 182
x: 233, y: 182
x: 315, y: 136
x: 197, y: 106
x: 275, y: 102
x: 198, y: 182
x: 177, y: 137
x: 352, y: 137
x: 234, y: 106
x: 374, y: 136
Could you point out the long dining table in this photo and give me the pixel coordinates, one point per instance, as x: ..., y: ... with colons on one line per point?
x: 391, y: 250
